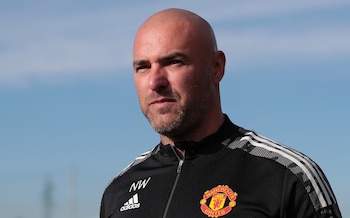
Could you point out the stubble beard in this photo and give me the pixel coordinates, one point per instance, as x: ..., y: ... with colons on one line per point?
x: 171, y: 126
x: 178, y: 122
x: 167, y: 121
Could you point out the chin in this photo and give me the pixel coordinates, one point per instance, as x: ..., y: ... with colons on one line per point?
x: 166, y: 125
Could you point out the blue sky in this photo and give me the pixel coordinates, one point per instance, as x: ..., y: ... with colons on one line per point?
x: 69, y: 112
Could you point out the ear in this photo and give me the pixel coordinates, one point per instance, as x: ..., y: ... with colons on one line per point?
x: 219, y: 66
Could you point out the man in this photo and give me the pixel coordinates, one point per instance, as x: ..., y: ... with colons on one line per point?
x: 204, y: 165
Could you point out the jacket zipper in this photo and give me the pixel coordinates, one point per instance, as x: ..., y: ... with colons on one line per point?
x: 178, y: 172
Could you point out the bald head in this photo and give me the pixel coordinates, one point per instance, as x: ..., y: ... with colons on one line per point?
x: 177, y: 71
x: 183, y: 18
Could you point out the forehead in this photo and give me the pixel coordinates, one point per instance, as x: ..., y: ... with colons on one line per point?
x: 164, y: 38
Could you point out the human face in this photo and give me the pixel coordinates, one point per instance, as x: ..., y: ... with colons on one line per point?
x: 172, y: 78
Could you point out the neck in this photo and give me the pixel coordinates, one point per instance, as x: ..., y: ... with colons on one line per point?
x: 200, y: 133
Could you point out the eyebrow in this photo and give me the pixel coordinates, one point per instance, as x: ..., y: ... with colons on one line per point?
x: 174, y: 55
x: 139, y: 62
x: 165, y: 58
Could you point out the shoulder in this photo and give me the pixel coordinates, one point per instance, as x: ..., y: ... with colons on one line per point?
x: 306, y: 170
x: 137, y: 161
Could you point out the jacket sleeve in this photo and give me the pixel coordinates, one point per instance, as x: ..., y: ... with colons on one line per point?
x: 300, y: 200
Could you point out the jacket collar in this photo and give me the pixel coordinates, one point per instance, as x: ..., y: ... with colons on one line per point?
x: 209, y: 144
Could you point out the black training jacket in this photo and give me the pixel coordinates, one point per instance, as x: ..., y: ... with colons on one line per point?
x: 232, y: 173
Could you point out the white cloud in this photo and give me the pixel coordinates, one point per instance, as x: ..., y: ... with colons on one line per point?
x: 255, y: 8
x: 315, y: 43
x: 85, y: 43
x: 80, y: 44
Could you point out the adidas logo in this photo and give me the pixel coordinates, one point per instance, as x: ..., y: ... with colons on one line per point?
x: 132, y: 203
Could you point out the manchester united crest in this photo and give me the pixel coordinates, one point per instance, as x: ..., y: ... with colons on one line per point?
x: 218, y: 201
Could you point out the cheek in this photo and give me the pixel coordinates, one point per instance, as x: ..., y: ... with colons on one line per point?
x: 196, y: 81
x: 139, y: 83
x: 189, y: 90
x: 199, y: 87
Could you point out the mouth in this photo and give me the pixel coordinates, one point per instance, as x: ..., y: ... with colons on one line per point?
x: 162, y: 101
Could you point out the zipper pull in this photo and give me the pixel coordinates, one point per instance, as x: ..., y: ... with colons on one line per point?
x: 181, y: 161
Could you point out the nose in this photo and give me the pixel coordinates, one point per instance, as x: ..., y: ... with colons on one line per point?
x: 158, y: 79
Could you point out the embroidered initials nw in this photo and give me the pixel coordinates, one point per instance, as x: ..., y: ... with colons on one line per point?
x: 139, y: 184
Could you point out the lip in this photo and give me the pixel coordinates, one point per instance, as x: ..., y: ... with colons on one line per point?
x: 162, y: 101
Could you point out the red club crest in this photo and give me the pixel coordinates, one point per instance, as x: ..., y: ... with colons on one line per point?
x: 218, y: 201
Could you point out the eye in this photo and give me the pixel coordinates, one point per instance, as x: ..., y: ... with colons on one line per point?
x: 140, y: 68
x: 175, y: 62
